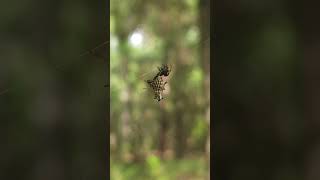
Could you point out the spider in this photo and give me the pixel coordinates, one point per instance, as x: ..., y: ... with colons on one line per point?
x: 157, y: 84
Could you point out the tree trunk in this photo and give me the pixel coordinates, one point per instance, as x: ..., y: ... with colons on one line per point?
x: 204, y: 19
x: 163, y: 123
x: 163, y: 133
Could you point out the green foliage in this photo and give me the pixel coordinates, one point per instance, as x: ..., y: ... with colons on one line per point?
x: 154, y: 166
x: 155, y: 169
x: 200, y: 129
x: 195, y: 77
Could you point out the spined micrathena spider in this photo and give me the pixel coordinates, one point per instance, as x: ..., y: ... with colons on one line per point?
x: 157, y: 84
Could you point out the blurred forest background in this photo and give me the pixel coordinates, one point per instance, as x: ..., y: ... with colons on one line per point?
x: 53, y: 106
x: 169, y: 139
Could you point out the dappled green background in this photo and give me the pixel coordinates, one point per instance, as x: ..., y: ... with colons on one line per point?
x: 167, y: 139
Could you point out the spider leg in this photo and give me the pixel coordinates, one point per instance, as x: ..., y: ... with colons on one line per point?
x: 163, y: 88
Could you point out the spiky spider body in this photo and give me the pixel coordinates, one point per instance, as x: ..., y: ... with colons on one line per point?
x: 157, y: 84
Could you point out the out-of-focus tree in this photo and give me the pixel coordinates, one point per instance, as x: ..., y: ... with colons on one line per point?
x: 204, y: 24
